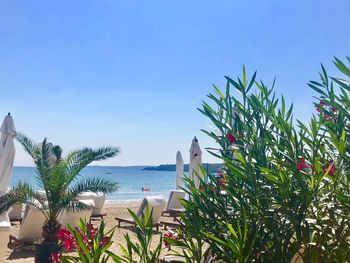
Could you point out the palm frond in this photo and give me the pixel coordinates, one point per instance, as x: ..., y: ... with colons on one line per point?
x: 22, y: 193
x: 93, y: 185
x: 57, y: 152
x: 78, y: 160
x: 29, y: 146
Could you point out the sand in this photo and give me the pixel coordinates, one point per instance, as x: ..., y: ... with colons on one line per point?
x: 112, y: 209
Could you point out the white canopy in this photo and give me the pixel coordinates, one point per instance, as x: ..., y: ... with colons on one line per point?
x: 179, y: 170
x: 195, y: 161
x: 7, y: 152
x: 7, y: 155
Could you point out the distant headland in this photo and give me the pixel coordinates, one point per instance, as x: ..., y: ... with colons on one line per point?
x: 211, y: 167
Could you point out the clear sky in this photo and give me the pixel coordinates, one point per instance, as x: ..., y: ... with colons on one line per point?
x: 132, y: 73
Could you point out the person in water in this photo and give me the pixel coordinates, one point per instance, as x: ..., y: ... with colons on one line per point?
x: 145, y: 189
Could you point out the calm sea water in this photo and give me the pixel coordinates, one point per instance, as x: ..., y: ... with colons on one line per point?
x: 130, y: 179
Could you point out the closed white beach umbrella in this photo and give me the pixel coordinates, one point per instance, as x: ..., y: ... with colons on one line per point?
x: 179, y: 170
x: 7, y: 152
x: 195, y: 161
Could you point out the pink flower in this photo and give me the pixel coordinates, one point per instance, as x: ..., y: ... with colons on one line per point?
x: 329, y: 166
x: 231, y: 138
x: 56, y: 257
x: 322, y: 103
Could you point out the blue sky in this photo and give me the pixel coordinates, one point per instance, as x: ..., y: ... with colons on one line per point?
x: 132, y: 73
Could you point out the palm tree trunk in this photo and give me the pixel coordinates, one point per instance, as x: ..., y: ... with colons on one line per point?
x: 50, y: 230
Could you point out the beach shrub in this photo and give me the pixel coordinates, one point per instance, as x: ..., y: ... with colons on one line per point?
x: 88, y: 241
x: 59, y: 178
x: 286, y: 182
x: 140, y: 251
x: 92, y: 244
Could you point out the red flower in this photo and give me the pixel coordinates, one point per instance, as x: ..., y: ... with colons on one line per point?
x: 66, y: 239
x: 322, y: 104
x: 92, y: 230
x: 334, y: 110
x: 104, y: 241
x: 301, y: 165
x: 64, y: 234
x: 220, y: 173
x: 231, y: 138
x: 69, y: 245
x: 330, y: 168
x: 56, y: 257
x: 326, y: 117
x: 221, y: 182
x: 170, y: 235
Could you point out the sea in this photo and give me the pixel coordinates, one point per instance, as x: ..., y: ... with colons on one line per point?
x: 130, y: 180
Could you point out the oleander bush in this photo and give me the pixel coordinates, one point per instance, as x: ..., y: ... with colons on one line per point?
x: 287, y: 192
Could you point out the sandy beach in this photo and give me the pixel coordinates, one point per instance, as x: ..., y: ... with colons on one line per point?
x: 112, y: 209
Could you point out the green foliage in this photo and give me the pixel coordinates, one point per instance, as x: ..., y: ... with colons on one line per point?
x: 140, y: 251
x: 287, y: 192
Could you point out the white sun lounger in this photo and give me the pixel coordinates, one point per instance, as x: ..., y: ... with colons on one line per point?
x: 174, y: 206
x: 155, y: 204
x: 72, y: 217
x: 31, y: 226
x: 99, y: 199
x: 15, y: 213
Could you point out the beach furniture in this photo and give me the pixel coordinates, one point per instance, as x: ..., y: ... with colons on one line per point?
x: 31, y: 227
x: 155, y: 204
x: 174, y: 207
x: 99, y: 199
x: 173, y: 224
x: 72, y: 217
x: 5, y: 228
x: 15, y: 213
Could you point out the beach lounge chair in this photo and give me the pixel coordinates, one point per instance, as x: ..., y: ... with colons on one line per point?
x: 155, y: 204
x: 31, y: 227
x: 173, y: 224
x: 174, y: 207
x: 99, y: 199
x: 5, y: 228
x: 15, y: 213
x: 72, y: 217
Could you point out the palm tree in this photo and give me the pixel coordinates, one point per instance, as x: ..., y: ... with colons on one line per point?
x: 59, y: 178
